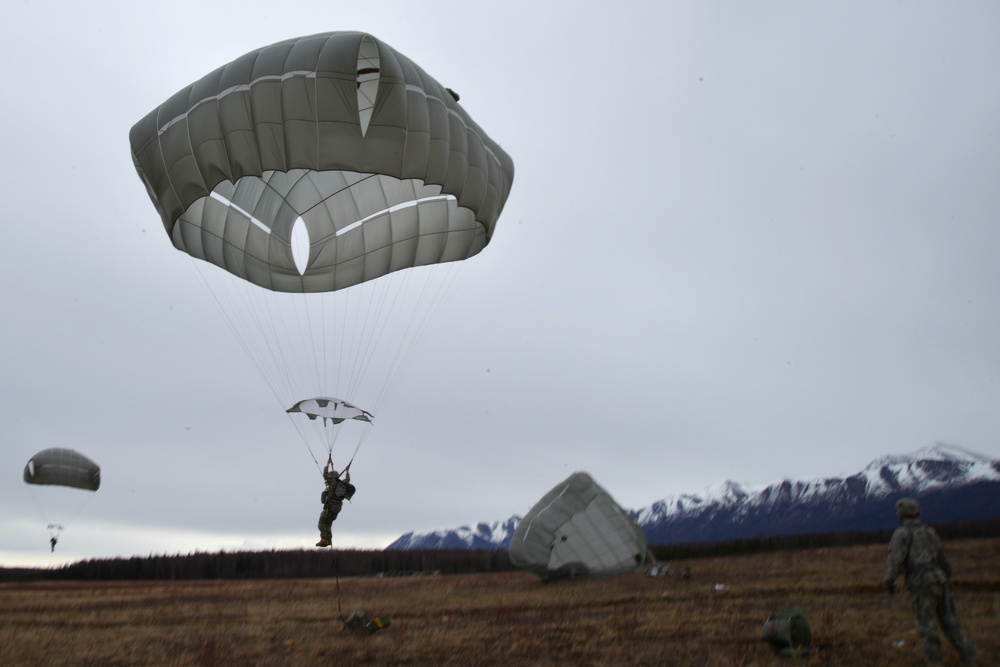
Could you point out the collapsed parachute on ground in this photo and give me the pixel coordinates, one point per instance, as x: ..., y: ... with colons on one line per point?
x: 63, y: 467
x: 336, y: 139
x: 577, y: 529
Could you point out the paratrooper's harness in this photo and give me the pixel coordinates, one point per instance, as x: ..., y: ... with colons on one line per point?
x: 335, y: 493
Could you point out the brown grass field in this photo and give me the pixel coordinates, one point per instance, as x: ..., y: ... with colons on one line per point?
x: 502, y: 619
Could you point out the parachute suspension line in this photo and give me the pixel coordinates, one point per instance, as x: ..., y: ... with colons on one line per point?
x: 80, y: 508
x: 376, y: 322
x: 314, y: 343
x: 418, y: 321
x: 356, y: 310
x: 302, y: 323
x: 44, y: 516
x: 335, y: 431
x: 342, y: 342
x: 336, y: 578
x: 264, y: 331
x: 373, y: 315
x: 238, y: 322
x: 259, y: 327
x: 34, y: 501
x: 297, y: 423
x: 328, y: 340
x: 369, y: 308
x: 316, y: 430
x: 299, y: 347
x: 372, y: 312
x: 438, y: 294
x: 357, y: 447
x: 282, y: 356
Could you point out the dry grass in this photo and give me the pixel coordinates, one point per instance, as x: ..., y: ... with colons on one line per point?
x: 501, y: 619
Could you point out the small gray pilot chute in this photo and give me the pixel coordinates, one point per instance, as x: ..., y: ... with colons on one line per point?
x: 333, y: 409
x: 577, y: 528
x: 326, y: 417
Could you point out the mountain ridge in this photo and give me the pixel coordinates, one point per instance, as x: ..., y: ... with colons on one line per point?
x: 954, y: 483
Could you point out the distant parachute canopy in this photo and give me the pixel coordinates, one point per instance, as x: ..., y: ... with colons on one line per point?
x: 577, y: 529
x: 319, y: 163
x: 333, y: 410
x: 63, y: 467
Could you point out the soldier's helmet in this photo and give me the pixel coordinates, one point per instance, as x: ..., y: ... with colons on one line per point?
x: 907, y: 507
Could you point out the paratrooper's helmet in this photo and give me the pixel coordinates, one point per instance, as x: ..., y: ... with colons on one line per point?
x: 907, y: 507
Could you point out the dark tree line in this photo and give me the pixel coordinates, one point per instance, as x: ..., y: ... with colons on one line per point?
x: 271, y: 565
x: 306, y: 564
x: 952, y: 531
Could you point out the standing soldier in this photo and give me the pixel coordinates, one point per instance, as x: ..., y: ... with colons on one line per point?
x: 915, y: 550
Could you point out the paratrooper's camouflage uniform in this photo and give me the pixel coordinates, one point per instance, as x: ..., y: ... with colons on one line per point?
x: 333, y: 501
x: 915, y: 550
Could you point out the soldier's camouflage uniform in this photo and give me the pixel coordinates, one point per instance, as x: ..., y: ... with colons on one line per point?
x: 915, y: 550
x: 333, y: 502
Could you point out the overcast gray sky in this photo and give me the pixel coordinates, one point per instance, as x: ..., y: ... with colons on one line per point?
x: 745, y: 241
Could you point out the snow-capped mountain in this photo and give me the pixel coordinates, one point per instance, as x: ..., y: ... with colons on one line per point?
x: 492, y: 536
x: 953, y: 484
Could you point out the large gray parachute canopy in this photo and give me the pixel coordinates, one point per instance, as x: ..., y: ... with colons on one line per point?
x: 332, y: 142
x: 63, y: 467
x: 577, y: 529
